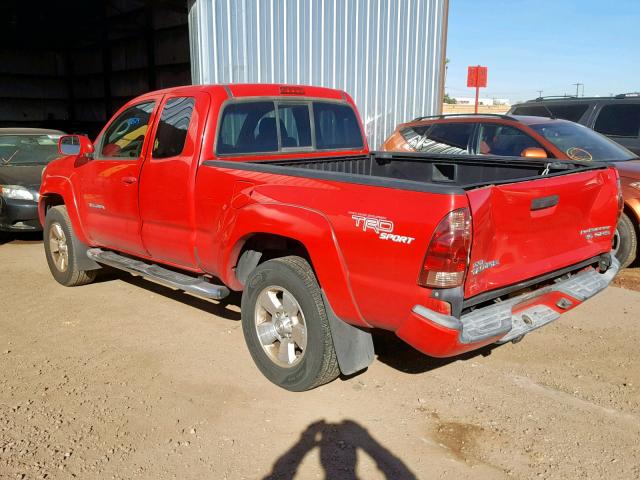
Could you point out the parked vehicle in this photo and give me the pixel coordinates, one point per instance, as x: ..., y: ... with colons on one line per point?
x: 24, y: 152
x: 533, y: 137
x: 271, y: 190
x: 617, y: 117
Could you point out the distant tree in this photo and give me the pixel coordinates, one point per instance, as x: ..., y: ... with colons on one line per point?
x: 448, y: 99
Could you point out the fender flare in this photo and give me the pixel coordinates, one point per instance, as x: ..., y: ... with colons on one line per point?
x: 61, y: 186
x: 352, y: 342
x: 308, y: 227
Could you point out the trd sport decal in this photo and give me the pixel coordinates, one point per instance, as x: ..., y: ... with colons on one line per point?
x: 381, y: 226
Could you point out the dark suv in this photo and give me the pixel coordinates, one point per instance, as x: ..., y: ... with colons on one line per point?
x: 616, y: 117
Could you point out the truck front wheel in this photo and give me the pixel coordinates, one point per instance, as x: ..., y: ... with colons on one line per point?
x: 625, y: 241
x: 60, y: 252
x: 285, y: 325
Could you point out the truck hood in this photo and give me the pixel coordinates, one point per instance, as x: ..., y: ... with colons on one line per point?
x: 629, y: 169
x: 27, y: 176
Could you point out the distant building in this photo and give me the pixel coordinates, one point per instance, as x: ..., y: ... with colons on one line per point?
x: 482, y: 101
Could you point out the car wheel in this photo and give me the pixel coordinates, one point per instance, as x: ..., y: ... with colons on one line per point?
x: 285, y: 325
x: 625, y: 241
x: 60, y: 252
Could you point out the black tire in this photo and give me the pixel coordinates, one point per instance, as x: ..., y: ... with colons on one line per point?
x: 71, y: 275
x: 319, y: 364
x: 627, y: 241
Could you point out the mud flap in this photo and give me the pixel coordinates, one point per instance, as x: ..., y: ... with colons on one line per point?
x: 354, y: 347
x: 83, y: 260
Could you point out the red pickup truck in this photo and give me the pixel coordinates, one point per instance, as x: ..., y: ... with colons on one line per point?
x: 272, y: 191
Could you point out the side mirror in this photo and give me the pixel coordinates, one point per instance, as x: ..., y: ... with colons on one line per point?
x: 75, y: 145
x: 534, y: 152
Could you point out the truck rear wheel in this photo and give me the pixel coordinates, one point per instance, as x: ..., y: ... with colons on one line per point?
x: 60, y: 252
x: 285, y: 325
x: 625, y: 242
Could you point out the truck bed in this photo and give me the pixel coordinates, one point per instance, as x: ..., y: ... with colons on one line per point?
x: 417, y: 171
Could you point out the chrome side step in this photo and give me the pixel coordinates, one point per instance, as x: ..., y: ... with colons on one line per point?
x: 155, y: 273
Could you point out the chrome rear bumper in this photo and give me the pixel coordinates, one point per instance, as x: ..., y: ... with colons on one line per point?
x: 499, y: 320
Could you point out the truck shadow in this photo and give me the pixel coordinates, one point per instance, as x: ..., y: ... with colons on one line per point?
x: 338, y: 445
x: 389, y: 349
x: 228, y: 308
x: 397, y: 354
x: 20, y: 237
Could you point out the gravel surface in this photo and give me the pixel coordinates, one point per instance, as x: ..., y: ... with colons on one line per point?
x: 126, y: 379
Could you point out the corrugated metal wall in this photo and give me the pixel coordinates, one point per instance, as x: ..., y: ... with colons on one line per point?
x: 388, y: 54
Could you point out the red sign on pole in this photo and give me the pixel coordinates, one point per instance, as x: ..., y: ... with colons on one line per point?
x: 477, y: 77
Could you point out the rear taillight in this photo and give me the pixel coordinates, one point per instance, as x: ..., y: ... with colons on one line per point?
x: 447, y: 258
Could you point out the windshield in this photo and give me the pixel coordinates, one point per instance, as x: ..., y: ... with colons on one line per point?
x: 28, y: 149
x: 581, y: 143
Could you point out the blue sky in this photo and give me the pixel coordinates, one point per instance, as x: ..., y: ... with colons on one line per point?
x: 530, y: 45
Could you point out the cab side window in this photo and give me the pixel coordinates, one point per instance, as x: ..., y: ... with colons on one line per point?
x: 173, y: 127
x: 125, y: 135
x: 503, y: 140
x: 619, y: 120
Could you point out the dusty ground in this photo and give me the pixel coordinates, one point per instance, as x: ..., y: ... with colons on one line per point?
x: 125, y: 379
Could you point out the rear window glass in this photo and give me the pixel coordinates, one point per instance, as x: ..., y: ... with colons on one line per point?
x: 619, y: 120
x: 572, y: 112
x: 248, y: 127
x: 568, y: 112
x: 532, y: 111
x: 336, y: 126
x: 295, y: 127
x: 263, y: 126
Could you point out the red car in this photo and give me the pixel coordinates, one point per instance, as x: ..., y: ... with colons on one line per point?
x: 534, y: 137
x: 271, y: 190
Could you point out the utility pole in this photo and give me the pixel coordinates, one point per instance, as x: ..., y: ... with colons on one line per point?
x: 578, y: 85
x: 539, y: 93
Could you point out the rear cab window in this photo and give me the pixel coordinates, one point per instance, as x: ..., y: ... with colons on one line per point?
x: 274, y: 126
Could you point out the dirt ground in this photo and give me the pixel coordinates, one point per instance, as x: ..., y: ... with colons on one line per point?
x: 126, y: 379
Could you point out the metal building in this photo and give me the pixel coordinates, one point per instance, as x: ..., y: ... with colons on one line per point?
x: 388, y: 54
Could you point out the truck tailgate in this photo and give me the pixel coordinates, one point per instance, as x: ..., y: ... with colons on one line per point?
x: 526, y: 229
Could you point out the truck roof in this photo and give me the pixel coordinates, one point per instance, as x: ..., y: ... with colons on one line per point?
x: 259, y: 90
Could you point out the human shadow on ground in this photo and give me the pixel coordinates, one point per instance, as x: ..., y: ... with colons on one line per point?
x: 338, y: 445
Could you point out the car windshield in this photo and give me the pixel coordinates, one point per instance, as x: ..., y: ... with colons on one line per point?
x: 581, y: 143
x: 28, y: 149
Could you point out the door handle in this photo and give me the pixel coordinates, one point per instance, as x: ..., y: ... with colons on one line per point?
x: 129, y: 180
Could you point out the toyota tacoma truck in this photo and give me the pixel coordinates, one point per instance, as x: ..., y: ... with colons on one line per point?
x: 271, y: 190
